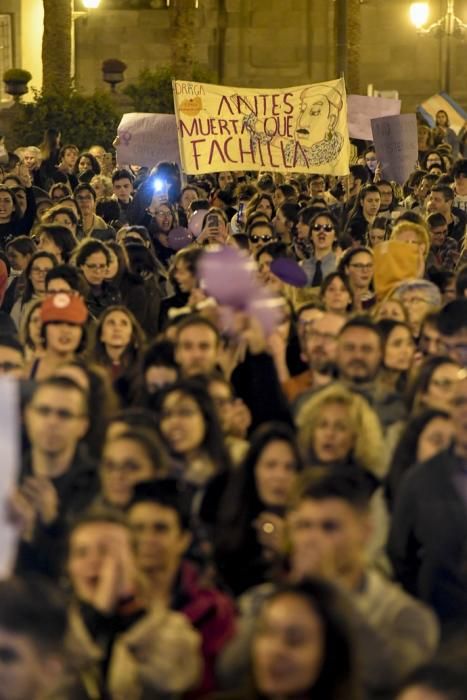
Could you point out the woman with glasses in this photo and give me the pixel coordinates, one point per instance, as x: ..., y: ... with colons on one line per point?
x: 323, y: 236
x: 132, y: 456
x: 93, y: 259
x: 260, y: 232
x: 35, y: 273
x: 433, y: 384
x: 358, y: 265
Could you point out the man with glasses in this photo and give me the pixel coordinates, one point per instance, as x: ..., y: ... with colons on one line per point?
x: 444, y: 250
x: 319, y: 349
x: 58, y: 479
x: 427, y: 543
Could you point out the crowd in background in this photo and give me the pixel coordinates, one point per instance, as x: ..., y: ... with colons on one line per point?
x: 243, y: 428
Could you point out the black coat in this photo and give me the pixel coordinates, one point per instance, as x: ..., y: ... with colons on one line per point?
x: 428, y: 538
x: 76, y: 489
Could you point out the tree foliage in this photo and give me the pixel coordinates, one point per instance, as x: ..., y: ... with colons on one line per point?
x: 152, y: 90
x: 82, y: 119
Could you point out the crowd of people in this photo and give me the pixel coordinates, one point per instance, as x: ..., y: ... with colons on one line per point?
x: 243, y: 428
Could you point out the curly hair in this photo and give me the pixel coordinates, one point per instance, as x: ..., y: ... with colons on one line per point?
x: 367, y: 449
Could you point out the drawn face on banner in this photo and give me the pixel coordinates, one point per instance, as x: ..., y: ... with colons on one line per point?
x: 311, y: 127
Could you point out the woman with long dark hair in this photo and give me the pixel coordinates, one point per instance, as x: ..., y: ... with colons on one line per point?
x: 426, y: 434
x: 364, y: 212
x: 245, y: 508
x: 191, y: 431
x: 119, y: 347
x: 303, y: 647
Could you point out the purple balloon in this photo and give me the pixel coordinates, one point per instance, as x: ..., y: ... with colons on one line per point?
x: 267, y: 310
x: 180, y: 238
x: 289, y: 271
x: 195, y: 224
x: 228, y: 276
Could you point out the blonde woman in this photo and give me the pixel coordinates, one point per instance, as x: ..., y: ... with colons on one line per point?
x: 338, y: 427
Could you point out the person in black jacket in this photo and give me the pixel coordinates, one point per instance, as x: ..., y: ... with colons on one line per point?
x: 427, y: 542
x: 58, y: 480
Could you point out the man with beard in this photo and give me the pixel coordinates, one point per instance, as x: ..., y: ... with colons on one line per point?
x: 359, y: 359
x: 319, y: 349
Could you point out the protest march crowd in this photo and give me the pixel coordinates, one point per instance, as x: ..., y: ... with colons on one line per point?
x: 243, y: 405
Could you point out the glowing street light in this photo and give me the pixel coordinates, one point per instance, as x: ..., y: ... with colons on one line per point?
x: 91, y: 4
x: 419, y: 13
x: 447, y: 27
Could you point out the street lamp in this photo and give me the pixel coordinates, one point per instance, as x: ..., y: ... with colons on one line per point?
x: 446, y: 27
x: 419, y: 13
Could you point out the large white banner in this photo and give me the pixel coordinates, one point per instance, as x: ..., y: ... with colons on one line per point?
x: 297, y: 129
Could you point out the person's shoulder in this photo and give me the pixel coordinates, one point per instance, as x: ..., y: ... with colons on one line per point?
x: 430, y: 470
x: 395, y: 598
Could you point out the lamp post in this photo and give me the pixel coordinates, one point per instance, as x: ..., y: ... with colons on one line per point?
x: 447, y: 27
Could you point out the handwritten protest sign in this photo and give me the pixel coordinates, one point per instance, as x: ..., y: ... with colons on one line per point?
x: 396, y: 145
x: 9, y: 440
x: 146, y: 139
x: 298, y: 129
x: 361, y: 110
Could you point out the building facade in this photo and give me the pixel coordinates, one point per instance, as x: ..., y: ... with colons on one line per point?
x: 262, y: 43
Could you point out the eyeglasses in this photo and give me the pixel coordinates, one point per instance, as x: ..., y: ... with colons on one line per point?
x: 222, y: 401
x: 62, y: 413
x: 179, y: 413
x: 326, y: 228
x: 84, y: 198
x: 256, y: 239
x: 95, y: 267
x: 443, y: 383
x: 362, y: 266
x: 127, y: 467
x: 40, y: 270
x: 6, y: 367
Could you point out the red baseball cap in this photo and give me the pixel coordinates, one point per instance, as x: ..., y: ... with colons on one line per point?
x: 64, y: 308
